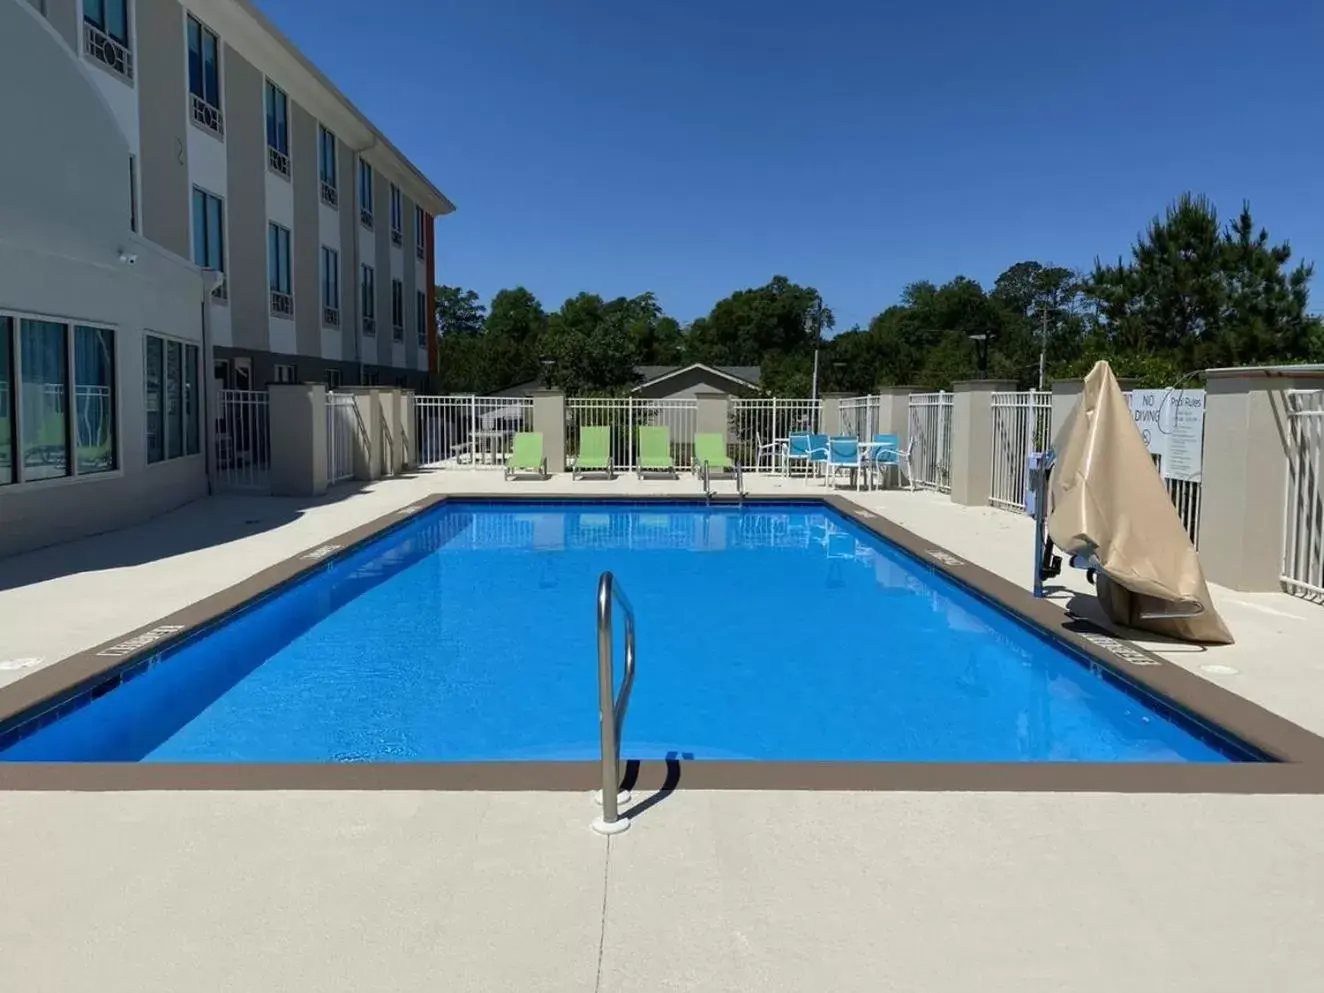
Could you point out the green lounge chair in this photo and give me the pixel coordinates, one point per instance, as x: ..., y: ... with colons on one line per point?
x: 526, y: 455
x: 594, y: 452
x: 655, y: 451
x: 710, y: 448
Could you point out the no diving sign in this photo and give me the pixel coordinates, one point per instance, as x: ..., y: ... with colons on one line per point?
x: 1172, y: 424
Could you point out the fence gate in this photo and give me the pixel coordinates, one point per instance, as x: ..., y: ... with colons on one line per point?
x: 757, y: 426
x: 342, y: 419
x: 1021, y: 425
x: 1303, y: 525
x: 859, y: 416
x: 242, y: 440
x: 931, y: 433
x: 469, y: 431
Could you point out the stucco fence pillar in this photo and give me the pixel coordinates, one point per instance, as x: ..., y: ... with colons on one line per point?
x: 549, y: 421
x: 298, y: 439
x: 1244, y: 480
x: 972, y: 439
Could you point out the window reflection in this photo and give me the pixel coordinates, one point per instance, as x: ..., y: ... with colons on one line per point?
x: 45, y: 390
x: 94, y: 384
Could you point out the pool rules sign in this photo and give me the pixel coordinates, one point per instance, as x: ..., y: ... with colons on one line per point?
x: 1172, y: 424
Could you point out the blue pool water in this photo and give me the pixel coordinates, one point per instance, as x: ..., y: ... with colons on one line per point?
x: 768, y: 632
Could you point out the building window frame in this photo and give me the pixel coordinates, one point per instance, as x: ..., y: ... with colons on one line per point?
x: 397, y: 216
x: 180, y: 431
x: 368, y: 299
x: 397, y: 310
x: 279, y: 273
x: 276, y: 103
x: 284, y: 373
x: 365, y: 193
x: 77, y: 417
x: 332, y: 379
x: 207, y: 220
x: 420, y: 317
x: 108, y: 35
x: 204, y: 89
x: 420, y: 238
x: 329, y: 259
x: 327, y: 168
x: 134, y: 220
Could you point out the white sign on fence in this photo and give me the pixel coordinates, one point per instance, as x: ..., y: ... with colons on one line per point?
x: 1172, y: 424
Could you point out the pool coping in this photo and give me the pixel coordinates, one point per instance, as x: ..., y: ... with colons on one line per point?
x: 1299, y: 753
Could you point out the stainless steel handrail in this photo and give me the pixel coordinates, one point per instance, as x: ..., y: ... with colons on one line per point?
x: 612, y: 708
x: 740, y: 481
x: 706, y: 477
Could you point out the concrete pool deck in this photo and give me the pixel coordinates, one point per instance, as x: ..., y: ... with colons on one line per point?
x: 708, y: 891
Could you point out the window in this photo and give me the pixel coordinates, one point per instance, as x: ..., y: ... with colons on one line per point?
x: 204, y: 77
x: 133, y: 193
x: 50, y: 435
x: 326, y: 166
x: 397, y: 216
x: 365, y: 194
x: 278, y: 130
x: 209, y: 235
x: 43, y: 420
x: 284, y: 373
x: 397, y: 310
x: 371, y: 377
x: 171, y: 381
x: 368, y: 294
x: 402, y: 382
x: 421, y: 316
x: 106, y: 34
x: 330, y: 287
x: 7, y: 474
x: 333, y: 379
x: 94, y: 398
x: 278, y: 270
x: 420, y: 234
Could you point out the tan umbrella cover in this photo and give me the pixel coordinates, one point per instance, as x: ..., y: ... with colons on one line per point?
x: 1108, y: 500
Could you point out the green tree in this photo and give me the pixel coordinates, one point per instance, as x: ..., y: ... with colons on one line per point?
x: 513, y: 335
x: 753, y: 326
x: 1205, y: 295
x: 591, y: 346
x: 459, y: 311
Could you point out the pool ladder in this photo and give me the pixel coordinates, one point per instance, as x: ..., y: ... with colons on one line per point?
x: 612, y: 708
x: 705, y: 474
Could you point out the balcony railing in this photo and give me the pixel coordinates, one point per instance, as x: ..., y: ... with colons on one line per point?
x: 369, y: 327
x: 422, y: 252
x: 397, y: 238
x: 109, y: 52
x: 365, y: 217
x: 329, y: 195
x: 278, y: 161
x: 397, y: 332
x: 282, y: 304
x: 331, y: 317
x: 207, y: 117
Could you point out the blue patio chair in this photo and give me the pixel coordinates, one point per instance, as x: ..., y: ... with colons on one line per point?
x: 797, y: 448
x: 818, y: 451
x: 882, y: 455
x: 886, y: 453
x: 843, y: 452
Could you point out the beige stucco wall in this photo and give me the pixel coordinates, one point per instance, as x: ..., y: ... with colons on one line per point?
x: 64, y: 223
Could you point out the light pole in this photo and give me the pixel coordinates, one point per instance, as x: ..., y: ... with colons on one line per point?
x: 1043, y: 350
x: 814, y: 323
x: 981, y: 346
x: 547, y: 363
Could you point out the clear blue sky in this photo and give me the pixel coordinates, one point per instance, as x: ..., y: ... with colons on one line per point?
x: 692, y: 147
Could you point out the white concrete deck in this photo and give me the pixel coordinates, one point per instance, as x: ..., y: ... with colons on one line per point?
x: 707, y: 891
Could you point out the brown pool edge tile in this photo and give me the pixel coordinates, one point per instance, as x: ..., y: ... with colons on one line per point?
x: 1299, y: 754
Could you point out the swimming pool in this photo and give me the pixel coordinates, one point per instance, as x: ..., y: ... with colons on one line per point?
x: 771, y: 632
